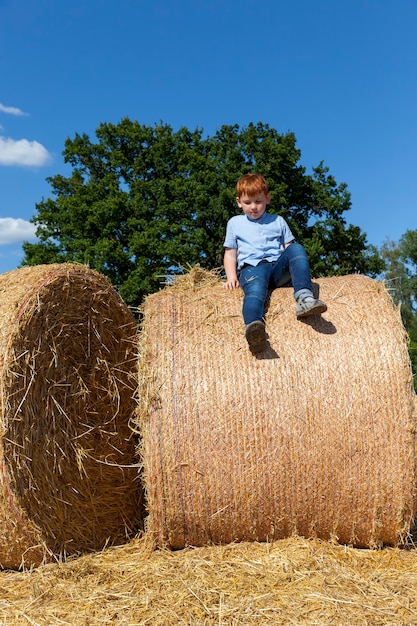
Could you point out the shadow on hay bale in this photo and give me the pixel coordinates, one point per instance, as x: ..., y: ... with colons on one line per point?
x: 68, y: 470
x: 315, y: 437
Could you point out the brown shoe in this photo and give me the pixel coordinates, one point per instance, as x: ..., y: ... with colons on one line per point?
x: 256, y: 336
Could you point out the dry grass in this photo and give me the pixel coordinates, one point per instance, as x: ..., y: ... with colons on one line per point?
x: 316, y: 437
x: 291, y: 581
x: 68, y: 471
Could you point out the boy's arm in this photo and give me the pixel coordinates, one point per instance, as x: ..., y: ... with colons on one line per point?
x: 230, y: 265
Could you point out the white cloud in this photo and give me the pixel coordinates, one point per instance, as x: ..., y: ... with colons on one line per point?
x: 15, y: 230
x: 11, y: 110
x: 22, y: 152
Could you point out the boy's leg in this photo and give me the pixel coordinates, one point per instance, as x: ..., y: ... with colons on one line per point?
x: 293, y: 264
x: 254, y: 282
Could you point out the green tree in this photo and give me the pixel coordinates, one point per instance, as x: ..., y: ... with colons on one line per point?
x: 143, y: 201
x: 400, y: 276
x: 408, y: 252
x: 397, y: 278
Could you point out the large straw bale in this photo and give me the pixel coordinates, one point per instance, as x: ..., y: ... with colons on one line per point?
x: 315, y: 437
x: 68, y: 471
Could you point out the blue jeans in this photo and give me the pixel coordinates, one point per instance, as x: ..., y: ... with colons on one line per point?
x: 291, y: 267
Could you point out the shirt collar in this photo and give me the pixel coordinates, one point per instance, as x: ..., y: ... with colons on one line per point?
x: 259, y: 220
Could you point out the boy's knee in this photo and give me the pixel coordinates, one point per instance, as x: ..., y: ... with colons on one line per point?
x: 296, y: 250
x: 296, y: 247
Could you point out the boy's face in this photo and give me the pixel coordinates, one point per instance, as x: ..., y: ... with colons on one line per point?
x: 253, y: 206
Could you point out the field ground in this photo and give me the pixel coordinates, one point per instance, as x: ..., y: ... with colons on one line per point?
x: 291, y: 581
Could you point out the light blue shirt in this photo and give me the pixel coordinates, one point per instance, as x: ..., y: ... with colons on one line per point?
x: 257, y: 240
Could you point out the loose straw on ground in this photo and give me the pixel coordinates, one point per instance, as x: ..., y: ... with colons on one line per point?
x: 315, y: 437
x: 68, y: 471
x: 291, y: 581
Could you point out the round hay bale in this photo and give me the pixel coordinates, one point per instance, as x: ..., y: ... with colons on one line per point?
x: 315, y: 437
x: 68, y: 373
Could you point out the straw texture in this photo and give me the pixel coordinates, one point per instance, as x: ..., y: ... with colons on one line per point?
x: 315, y: 437
x: 68, y: 477
x: 292, y: 582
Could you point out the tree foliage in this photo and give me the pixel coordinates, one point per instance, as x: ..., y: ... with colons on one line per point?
x: 401, y: 279
x: 143, y: 201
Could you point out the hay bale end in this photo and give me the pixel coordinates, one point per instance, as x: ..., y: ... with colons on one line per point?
x: 68, y: 469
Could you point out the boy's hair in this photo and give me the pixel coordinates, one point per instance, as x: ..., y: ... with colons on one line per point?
x: 251, y: 185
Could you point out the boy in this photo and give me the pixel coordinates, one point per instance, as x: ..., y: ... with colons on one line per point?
x: 260, y: 253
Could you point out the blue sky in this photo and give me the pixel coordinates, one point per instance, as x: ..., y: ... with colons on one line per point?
x: 340, y: 74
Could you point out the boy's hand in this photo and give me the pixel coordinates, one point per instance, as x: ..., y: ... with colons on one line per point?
x: 230, y: 262
x: 231, y: 283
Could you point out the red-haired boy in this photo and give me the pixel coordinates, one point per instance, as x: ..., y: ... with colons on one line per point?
x: 260, y: 253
